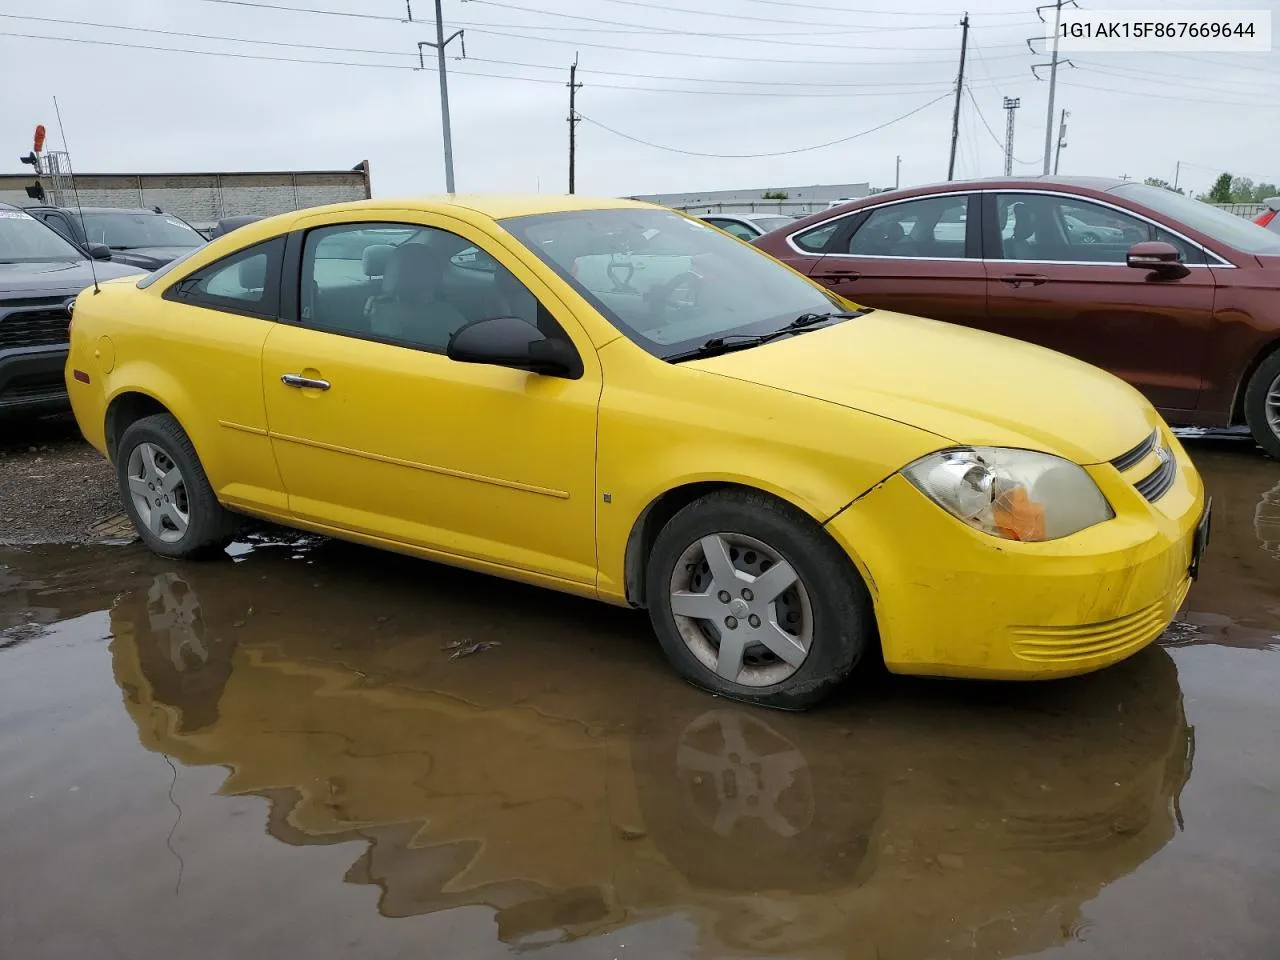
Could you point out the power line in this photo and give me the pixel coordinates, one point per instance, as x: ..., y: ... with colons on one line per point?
x: 700, y: 55
x: 207, y: 36
x: 509, y: 63
x: 461, y: 73
x: 828, y: 8
x: 777, y: 153
x: 1179, y: 97
x: 1155, y: 76
x: 824, y: 26
x: 327, y: 13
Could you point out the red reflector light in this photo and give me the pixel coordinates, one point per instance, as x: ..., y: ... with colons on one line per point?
x: 80, y: 375
x: 1265, y: 218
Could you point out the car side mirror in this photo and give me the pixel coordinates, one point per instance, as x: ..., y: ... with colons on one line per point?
x: 515, y: 343
x: 1158, y: 256
x: 99, y: 251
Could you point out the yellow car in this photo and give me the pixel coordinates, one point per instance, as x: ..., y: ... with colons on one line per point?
x: 618, y: 401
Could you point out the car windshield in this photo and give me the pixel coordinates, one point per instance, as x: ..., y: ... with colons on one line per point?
x: 125, y: 231
x: 23, y: 239
x: 668, y: 282
x: 1227, y: 228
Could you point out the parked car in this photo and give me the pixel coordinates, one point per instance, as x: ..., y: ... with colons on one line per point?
x: 1267, y: 218
x: 227, y: 224
x: 746, y: 226
x: 143, y: 238
x: 40, y: 275
x: 784, y: 480
x: 1177, y: 297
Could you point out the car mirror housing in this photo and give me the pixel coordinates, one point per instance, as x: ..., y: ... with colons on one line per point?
x: 515, y: 343
x: 1158, y: 256
x: 99, y: 251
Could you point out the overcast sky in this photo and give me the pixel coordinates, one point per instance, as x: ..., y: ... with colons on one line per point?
x: 819, y: 71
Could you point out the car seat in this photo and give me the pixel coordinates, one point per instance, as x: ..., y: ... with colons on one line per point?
x: 408, y: 308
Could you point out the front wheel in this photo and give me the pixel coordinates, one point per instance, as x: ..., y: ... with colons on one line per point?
x: 166, y: 493
x: 1262, y: 405
x: 753, y: 601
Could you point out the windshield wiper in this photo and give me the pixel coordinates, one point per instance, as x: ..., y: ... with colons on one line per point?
x: 741, y: 341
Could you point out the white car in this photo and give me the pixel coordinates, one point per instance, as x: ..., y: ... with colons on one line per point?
x: 747, y: 226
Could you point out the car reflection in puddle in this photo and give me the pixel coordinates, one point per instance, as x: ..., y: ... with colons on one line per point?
x: 574, y: 792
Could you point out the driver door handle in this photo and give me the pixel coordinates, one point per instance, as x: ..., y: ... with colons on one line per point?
x: 302, y: 383
x: 838, y: 276
x: 1030, y: 279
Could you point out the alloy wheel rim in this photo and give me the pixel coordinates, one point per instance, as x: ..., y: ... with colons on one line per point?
x: 1271, y: 406
x: 159, y: 492
x: 741, y: 609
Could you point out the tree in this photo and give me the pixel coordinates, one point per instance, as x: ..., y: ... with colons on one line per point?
x: 1164, y: 184
x: 774, y: 195
x: 1220, y: 192
x: 1241, y: 190
x: 1264, y: 192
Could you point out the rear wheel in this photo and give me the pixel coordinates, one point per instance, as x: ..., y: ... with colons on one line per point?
x: 1262, y: 405
x: 752, y: 600
x: 166, y: 493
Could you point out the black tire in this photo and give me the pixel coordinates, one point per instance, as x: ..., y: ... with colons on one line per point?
x: 843, y: 620
x: 210, y: 525
x: 1264, y: 380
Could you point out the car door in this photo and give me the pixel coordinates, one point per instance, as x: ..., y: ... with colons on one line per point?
x: 1058, y: 277
x: 917, y: 256
x: 377, y: 432
x: 219, y: 316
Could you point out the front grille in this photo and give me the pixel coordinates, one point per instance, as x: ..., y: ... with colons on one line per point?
x: 1134, y: 456
x: 1157, y: 483
x: 34, y: 324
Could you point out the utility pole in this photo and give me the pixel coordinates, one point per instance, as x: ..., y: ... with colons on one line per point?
x: 1011, y: 104
x: 1177, y: 174
x: 573, y: 118
x: 1053, y: 73
x: 439, y: 46
x: 955, y: 117
x: 897, y: 172
x: 1062, y: 140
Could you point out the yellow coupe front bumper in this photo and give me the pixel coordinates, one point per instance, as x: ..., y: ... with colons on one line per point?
x: 952, y: 601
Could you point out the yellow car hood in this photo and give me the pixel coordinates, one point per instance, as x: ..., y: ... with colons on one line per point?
x: 967, y: 386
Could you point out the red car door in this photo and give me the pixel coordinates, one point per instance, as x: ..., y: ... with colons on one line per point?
x: 917, y: 256
x: 1057, y: 276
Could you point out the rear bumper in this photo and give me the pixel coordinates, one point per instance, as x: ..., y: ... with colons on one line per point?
x: 32, y: 380
x: 951, y: 601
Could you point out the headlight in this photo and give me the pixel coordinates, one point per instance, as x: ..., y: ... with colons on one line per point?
x: 1014, y: 494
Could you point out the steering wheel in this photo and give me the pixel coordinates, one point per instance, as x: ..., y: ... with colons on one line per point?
x: 661, y: 297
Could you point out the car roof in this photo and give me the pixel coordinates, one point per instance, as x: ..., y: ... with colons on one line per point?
x: 1086, y: 184
x: 494, y: 206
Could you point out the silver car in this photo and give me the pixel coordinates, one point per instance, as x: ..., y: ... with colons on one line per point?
x: 747, y: 226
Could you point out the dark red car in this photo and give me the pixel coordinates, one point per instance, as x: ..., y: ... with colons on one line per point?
x: 1177, y: 297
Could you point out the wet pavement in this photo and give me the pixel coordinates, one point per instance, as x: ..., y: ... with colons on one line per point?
x: 312, y: 749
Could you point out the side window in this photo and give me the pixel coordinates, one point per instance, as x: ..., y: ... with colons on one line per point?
x: 409, y: 285
x: 60, y: 224
x: 741, y: 231
x: 931, y: 228
x: 1067, y: 229
x: 816, y: 240
x: 246, y: 282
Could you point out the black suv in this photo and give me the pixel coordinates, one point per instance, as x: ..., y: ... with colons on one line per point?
x: 144, y: 238
x: 40, y: 276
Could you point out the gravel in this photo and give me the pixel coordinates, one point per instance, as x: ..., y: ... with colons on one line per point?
x: 54, y: 487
